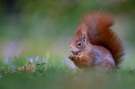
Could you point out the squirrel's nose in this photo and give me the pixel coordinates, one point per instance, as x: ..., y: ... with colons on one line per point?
x: 74, y: 49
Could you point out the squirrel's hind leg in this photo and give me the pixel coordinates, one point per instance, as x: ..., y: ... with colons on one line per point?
x: 109, y: 63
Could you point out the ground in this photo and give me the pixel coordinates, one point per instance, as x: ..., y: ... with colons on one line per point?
x: 60, y: 74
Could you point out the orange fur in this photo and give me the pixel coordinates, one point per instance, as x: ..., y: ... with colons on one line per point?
x: 98, y: 44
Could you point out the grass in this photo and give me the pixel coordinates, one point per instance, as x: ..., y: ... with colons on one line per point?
x: 56, y: 74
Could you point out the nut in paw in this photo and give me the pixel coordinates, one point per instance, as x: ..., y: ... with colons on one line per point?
x: 73, y: 57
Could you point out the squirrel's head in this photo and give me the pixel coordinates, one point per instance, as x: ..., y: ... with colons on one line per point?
x: 79, y: 43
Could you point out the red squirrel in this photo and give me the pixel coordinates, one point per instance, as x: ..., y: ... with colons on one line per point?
x: 95, y: 44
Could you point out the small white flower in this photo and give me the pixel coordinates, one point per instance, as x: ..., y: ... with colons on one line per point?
x: 13, y: 67
x: 37, y: 58
x: 31, y: 60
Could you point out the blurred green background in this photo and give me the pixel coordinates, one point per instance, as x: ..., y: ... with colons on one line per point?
x: 45, y: 27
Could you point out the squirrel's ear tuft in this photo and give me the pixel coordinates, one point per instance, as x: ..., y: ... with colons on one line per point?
x: 84, y: 36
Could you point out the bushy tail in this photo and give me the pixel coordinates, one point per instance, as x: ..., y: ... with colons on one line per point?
x: 99, y: 33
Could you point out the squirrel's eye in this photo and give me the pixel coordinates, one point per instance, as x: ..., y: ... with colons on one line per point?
x: 79, y: 44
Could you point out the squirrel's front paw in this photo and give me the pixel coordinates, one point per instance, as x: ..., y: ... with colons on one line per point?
x: 73, y: 57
